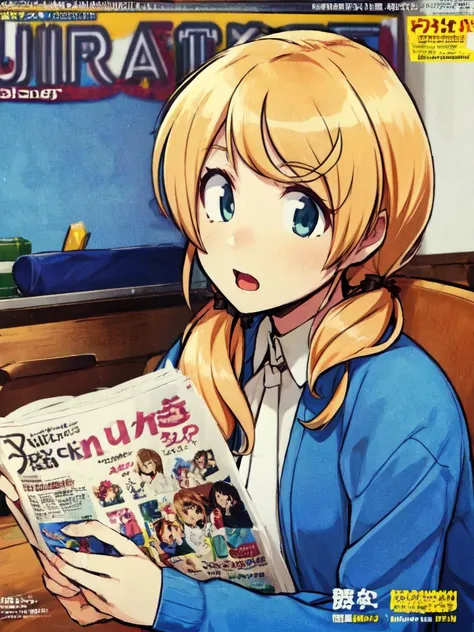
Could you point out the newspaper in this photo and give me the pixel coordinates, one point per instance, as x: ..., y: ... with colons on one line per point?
x: 147, y: 459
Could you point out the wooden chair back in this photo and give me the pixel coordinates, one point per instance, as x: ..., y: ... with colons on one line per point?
x: 440, y: 318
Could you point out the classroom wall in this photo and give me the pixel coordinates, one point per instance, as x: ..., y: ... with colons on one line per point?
x: 62, y: 163
x: 90, y: 162
x: 444, y: 92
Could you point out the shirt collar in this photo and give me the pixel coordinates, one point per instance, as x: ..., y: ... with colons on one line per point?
x: 295, y: 346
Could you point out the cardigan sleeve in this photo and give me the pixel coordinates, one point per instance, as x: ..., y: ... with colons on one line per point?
x: 402, y: 495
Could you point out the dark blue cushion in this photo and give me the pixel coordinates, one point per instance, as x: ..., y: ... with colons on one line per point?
x: 89, y: 270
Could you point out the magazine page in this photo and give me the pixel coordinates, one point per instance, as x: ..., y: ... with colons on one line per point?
x: 149, y: 461
x: 37, y: 413
x: 33, y: 408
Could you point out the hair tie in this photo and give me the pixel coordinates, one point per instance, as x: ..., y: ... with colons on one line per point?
x: 220, y: 302
x: 377, y: 282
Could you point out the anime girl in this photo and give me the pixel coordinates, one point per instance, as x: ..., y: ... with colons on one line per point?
x: 192, y: 510
x: 229, y: 511
x: 108, y: 494
x: 203, y: 464
x: 150, y: 469
x: 225, y: 499
x: 171, y: 538
x: 130, y: 528
x: 185, y: 476
x: 299, y: 171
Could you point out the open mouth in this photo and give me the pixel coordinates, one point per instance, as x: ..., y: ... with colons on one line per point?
x: 246, y: 281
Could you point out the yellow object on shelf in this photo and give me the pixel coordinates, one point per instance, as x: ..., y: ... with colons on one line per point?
x: 77, y: 237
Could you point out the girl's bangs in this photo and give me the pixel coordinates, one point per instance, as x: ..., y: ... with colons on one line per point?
x: 320, y: 138
x: 280, y: 139
x: 291, y: 114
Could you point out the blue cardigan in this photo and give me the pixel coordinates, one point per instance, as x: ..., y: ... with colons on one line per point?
x: 382, y: 498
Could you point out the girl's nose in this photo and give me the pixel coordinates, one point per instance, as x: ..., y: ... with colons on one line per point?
x: 242, y: 237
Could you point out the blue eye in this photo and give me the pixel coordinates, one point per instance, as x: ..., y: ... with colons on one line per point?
x: 227, y: 206
x: 217, y: 197
x: 302, y: 215
x: 305, y: 220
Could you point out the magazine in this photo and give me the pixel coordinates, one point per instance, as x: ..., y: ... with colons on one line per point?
x: 147, y: 459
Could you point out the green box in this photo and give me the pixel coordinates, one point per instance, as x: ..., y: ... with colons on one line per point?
x: 8, y: 292
x: 11, y: 249
x: 6, y: 280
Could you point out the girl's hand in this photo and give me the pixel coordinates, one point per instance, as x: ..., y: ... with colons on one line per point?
x: 109, y: 583
x: 69, y: 595
x: 76, y: 605
x: 216, y: 518
x: 7, y: 488
x: 13, y: 503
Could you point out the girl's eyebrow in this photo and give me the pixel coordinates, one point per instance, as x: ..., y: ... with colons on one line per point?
x: 221, y: 148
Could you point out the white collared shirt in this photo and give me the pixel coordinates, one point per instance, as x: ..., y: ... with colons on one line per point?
x: 273, y: 396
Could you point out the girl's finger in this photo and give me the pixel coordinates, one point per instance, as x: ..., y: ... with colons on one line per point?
x: 96, y: 601
x: 93, y: 562
x: 81, y: 612
x: 98, y: 530
x: 55, y: 575
x: 83, y: 578
x: 58, y: 589
x: 8, y: 489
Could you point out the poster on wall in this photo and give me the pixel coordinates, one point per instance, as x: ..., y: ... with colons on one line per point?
x: 69, y: 80
x: 144, y: 55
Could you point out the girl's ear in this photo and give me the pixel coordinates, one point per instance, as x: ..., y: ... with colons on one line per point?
x: 371, y: 242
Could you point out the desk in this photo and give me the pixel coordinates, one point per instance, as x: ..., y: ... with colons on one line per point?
x: 21, y: 575
x: 69, y: 345
x: 74, y: 343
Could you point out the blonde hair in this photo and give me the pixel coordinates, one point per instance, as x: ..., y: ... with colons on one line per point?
x: 339, y: 118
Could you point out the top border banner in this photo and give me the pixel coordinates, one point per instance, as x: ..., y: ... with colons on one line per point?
x: 86, y: 56
x: 218, y: 7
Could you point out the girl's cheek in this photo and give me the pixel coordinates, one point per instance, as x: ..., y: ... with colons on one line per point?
x: 286, y: 254
x: 204, y: 226
x: 212, y: 239
x: 309, y: 253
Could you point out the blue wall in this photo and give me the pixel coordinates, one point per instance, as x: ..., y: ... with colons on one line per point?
x: 85, y: 161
